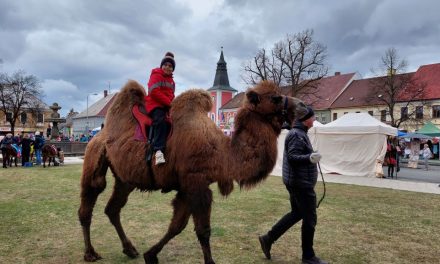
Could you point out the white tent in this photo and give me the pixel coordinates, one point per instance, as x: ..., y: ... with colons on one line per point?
x: 350, y: 145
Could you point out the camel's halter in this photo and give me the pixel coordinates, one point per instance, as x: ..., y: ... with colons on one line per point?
x: 284, y: 113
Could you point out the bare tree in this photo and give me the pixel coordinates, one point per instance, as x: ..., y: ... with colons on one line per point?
x: 263, y: 67
x: 297, y: 61
x: 397, y: 89
x: 19, y: 93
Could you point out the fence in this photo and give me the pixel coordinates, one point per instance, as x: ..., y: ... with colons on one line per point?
x: 70, y: 148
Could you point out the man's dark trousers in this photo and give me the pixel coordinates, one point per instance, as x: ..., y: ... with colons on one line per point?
x: 303, y: 204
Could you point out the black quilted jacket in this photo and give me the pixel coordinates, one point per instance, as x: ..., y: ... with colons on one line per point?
x: 298, y: 171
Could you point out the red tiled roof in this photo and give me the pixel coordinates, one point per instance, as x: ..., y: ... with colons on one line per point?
x: 327, y: 90
x: 430, y: 75
x: 356, y: 94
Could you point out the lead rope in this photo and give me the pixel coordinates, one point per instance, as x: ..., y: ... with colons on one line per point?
x: 323, y: 182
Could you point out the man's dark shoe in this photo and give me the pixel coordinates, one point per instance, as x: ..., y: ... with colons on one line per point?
x: 314, y: 260
x: 265, y: 245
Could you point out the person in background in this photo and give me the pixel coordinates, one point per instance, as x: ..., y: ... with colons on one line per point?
x: 300, y: 174
x: 161, y: 89
x: 391, y: 158
x: 427, y: 154
x: 38, y: 145
x: 25, y: 143
x: 48, y: 131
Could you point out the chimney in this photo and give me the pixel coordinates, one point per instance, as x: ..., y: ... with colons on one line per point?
x: 105, y: 93
x: 337, y: 73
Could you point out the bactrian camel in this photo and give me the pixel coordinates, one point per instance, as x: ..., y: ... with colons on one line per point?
x: 197, y: 153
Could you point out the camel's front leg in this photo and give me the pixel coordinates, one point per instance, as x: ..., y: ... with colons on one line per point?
x: 179, y: 221
x: 201, y: 211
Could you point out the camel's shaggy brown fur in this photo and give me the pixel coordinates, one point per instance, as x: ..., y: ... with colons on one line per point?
x: 197, y: 154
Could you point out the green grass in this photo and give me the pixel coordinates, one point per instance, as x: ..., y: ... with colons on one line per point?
x: 39, y: 223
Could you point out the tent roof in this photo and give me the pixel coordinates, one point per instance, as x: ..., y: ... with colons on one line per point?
x: 416, y: 135
x: 429, y: 129
x: 357, y: 123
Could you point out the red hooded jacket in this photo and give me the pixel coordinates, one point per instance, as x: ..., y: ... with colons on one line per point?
x: 160, y: 90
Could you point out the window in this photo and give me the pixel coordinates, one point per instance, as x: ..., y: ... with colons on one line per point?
x: 8, y: 116
x: 419, y: 112
x: 436, y: 111
x: 371, y: 113
x: 345, y: 113
x: 323, y: 120
x: 23, y: 117
x: 383, y: 115
x: 358, y: 112
x: 335, y: 116
x: 40, y: 118
x: 404, y: 113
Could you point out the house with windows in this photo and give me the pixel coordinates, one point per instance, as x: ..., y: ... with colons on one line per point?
x: 327, y: 91
x: 93, y: 116
x: 29, y: 120
x: 356, y: 98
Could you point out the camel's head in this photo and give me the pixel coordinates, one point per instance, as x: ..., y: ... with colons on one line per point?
x: 266, y: 99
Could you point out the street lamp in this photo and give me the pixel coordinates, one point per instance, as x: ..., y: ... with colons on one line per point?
x: 87, y: 113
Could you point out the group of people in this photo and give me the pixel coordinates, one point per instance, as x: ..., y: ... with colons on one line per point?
x: 26, y: 146
x: 395, y: 151
x: 300, y: 171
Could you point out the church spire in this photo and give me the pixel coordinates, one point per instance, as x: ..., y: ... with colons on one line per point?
x: 221, y: 80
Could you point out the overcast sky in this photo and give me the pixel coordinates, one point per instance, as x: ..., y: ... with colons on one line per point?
x: 83, y: 47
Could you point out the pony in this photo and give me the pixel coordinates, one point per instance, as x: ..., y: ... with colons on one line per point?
x: 9, y: 154
x: 49, y: 153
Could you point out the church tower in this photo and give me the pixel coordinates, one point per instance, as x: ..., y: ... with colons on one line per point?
x: 221, y: 92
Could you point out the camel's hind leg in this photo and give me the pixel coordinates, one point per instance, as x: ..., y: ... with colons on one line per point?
x: 201, y: 212
x: 118, y: 200
x: 179, y: 221
x: 92, y: 184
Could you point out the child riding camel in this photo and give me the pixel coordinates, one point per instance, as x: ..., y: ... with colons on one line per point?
x: 161, y: 88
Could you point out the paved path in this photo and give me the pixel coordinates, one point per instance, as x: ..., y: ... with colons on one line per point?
x: 399, y: 184
x: 405, y: 185
x: 73, y: 160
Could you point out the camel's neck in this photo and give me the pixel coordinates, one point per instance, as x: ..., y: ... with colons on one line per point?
x: 253, y: 148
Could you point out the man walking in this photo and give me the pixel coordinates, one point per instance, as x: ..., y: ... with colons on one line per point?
x: 300, y: 174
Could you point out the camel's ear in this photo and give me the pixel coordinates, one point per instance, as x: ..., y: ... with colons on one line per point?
x: 253, y: 97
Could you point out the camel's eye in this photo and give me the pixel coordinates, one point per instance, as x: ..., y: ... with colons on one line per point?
x: 276, y: 99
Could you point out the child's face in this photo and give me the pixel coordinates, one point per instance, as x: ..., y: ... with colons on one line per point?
x: 167, y: 68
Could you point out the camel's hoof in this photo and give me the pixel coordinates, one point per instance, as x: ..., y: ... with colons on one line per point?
x: 150, y: 258
x: 91, y: 256
x: 130, y: 251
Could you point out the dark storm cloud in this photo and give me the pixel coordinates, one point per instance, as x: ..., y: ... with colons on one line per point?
x: 83, y: 47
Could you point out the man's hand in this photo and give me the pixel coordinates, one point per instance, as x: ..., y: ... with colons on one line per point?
x: 315, y: 157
